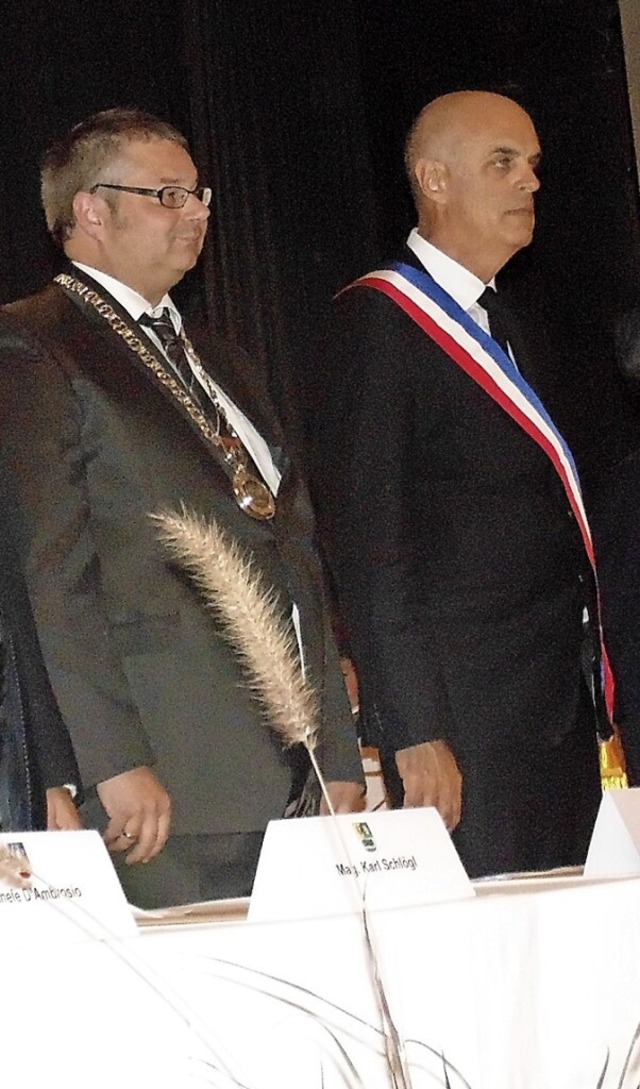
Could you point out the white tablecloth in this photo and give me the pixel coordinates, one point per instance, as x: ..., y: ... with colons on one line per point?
x: 529, y: 986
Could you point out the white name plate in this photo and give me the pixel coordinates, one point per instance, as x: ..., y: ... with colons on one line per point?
x: 614, y: 850
x: 59, y: 887
x: 316, y: 866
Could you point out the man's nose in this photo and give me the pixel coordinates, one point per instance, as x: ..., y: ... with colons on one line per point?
x: 529, y: 179
x: 195, y: 209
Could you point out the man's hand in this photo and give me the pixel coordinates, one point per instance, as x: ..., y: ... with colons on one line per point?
x: 62, y: 815
x: 345, y: 797
x: 431, y: 776
x: 139, y: 811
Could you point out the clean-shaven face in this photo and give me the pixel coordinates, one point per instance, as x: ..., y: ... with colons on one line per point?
x: 490, y: 182
x: 143, y: 244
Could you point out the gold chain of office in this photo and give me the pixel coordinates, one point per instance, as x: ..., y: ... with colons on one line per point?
x: 251, y: 494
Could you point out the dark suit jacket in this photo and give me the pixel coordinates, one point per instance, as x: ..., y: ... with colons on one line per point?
x: 35, y: 750
x: 460, y: 569
x: 616, y: 523
x: 140, y: 668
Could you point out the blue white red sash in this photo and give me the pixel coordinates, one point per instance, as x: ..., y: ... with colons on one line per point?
x: 478, y: 354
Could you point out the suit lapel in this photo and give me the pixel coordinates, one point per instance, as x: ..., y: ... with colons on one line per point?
x: 116, y: 327
x: 244, y: 385
x: 523, y: 340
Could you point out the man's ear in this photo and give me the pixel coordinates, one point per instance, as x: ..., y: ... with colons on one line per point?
x: 431, y: 176
x: 90, y: 212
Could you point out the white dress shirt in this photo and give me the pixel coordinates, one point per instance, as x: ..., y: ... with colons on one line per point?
x: 136, y: 305
x: 463, y: 286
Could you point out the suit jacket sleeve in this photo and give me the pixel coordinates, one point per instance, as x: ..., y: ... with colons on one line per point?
x: 46, y: 734
x: 338, y: 755
x: 40, y: 426
x: 363, y: 489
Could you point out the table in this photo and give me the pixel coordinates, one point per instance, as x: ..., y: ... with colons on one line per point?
x: 531, y: 985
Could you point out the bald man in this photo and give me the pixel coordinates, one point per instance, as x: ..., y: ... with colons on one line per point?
x: 452, y: 514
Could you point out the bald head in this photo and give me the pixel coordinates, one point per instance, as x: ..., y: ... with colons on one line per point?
x: 443, y: 127
x: 473, y: 155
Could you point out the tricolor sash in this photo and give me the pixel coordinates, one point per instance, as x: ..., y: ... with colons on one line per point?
x: 479, y: 356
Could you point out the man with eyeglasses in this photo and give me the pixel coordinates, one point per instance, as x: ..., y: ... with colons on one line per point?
x: 110, y: 413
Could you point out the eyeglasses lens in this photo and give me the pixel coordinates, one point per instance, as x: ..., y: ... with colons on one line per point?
x: 174, y: 196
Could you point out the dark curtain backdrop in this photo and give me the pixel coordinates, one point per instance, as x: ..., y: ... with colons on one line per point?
x: 61, y: 60
x: 297, y: 112
x: 278, y: 123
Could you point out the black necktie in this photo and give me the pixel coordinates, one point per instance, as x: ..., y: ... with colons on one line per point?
x: 498, y: 312
x: 172, y: 346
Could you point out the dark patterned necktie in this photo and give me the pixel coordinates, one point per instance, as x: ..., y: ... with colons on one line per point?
x: 174, y: 349
x: 172, y: 346
x: 498, y: 312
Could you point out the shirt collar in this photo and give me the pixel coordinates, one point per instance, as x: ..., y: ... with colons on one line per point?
x: 130, y: 300
x: 463, y: 286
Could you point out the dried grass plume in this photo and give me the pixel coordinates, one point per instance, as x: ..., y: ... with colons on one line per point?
x: 266, y: 644
x: 251, y: 618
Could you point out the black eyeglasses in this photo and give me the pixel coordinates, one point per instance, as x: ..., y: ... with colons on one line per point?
x: 170, y: 196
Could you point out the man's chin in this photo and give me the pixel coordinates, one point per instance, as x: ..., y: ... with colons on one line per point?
x: 520, y: 237
x: 521, y: 224
x: 186, y: 262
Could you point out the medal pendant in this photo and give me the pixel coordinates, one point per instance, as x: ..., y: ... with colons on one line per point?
x: 252, y: 496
